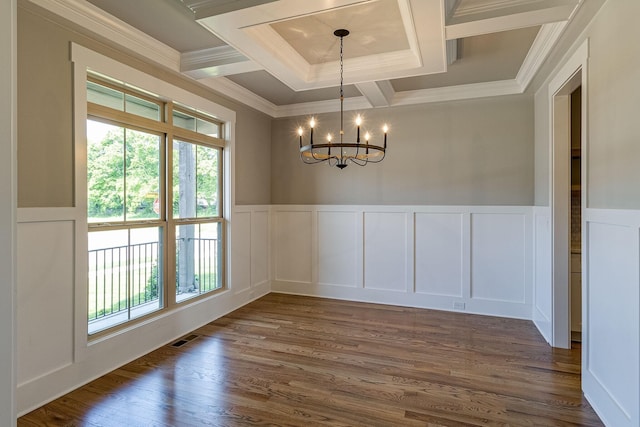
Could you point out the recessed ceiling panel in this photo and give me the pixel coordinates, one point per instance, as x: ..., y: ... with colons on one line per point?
x: 374, y: 27
x: 170, y: 22
x: 268, y: 87
x: 485, y: 58
x: 293, y: 39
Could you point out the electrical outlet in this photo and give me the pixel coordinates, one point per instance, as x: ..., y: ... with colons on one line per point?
x: 458, y: 306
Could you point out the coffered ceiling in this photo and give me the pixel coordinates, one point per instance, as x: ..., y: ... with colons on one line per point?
x: 281, y: 57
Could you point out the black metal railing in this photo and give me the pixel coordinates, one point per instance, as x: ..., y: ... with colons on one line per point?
x: 122, y: 278
x: 204, y: 277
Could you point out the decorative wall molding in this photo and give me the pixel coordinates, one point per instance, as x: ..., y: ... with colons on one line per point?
x: 49, y: 234
x: 94, y: 20
x: 475, y: 259
x: 611, y: 314
x: 542, y: 273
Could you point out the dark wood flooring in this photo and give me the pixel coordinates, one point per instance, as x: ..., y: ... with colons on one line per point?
x: 298, y: 361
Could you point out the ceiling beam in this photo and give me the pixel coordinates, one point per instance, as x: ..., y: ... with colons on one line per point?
x: 205, y: 8
x: 216, y: 62
x: 379, y: 94
x: 524, y: 14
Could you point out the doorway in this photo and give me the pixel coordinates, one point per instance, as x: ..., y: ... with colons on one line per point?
x: 568, y: 117
x: 575, y: 219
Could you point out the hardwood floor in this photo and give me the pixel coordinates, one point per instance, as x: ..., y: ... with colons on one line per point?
x: 298, y: 361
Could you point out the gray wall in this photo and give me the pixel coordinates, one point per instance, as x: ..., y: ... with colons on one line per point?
x: 45, y: 128
x: 613, y: 99
x: 613, y: 142
x: 476, y: 152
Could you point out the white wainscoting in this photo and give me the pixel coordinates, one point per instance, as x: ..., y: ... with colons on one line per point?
x: 611, y: 315
x: 475, y: 259
x: 53, y: 357
x: 542, y: 274
x: 250, y: 250
x: 45, y: 297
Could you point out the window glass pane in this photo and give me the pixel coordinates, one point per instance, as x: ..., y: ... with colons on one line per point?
x: 208, y: 128
x: 125, y: 275
x: 196, y: 124
x: 198, y: 259
x: 195, y: 180
x: 105, y: 172
x: 106, y: 96
x: 184, y: 121
x: 207, y: 181
x: 142, y: 175
x: 142, y: 107
x: 184, y: 180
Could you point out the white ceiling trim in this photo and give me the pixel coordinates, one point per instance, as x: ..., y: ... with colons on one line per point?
x: 240, y: 94
x: 216, y: 62
x: 220, y: 55
x: 542, y: 45
x: 248, y: 31
x: 455, y: 93
x: 466, y: 8
x: 207, y: 8
x: 379, y: 94
x: 223, y: 70
x: 318, y: 107
x: 94, y: 19
x: 511, y: 21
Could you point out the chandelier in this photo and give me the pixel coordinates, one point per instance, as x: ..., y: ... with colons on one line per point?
x: 339, y: 153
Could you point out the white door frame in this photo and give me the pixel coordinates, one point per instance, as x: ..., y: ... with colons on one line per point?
x: 572, y: 75
x: 8, y: 84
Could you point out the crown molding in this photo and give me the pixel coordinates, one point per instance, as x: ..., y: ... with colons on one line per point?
x: 216, y: 62
x: 240, y: 94
x: 95, y: 20
x: 455, y: 93
x: 540, y: 49
x: 318, y: 107
x: 488, y: 6
x: 423, y: 96
x: 220, y: 55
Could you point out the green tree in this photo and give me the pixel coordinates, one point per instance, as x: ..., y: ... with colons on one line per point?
x: 106, y: 161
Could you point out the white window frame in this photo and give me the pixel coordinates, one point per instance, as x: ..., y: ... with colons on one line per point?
x: 83, y: 60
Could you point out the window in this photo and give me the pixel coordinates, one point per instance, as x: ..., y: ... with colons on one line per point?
x: 154, y: 204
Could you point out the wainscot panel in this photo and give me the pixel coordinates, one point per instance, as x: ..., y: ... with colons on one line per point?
x: 45, y: 297
x: 338, y: 248
x: 53, y: 359
x: 293, y: 232
x: 542, y: 283
x: 611, y: 315
x: 419, y: 256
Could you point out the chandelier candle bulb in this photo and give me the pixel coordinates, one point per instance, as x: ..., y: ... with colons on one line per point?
x: 385, y: 129
x: 341, y: 152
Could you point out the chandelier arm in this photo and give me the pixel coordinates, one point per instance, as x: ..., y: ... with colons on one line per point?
x: 359, y: 162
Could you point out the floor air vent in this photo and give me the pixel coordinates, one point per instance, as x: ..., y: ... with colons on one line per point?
x: 183, y: 341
